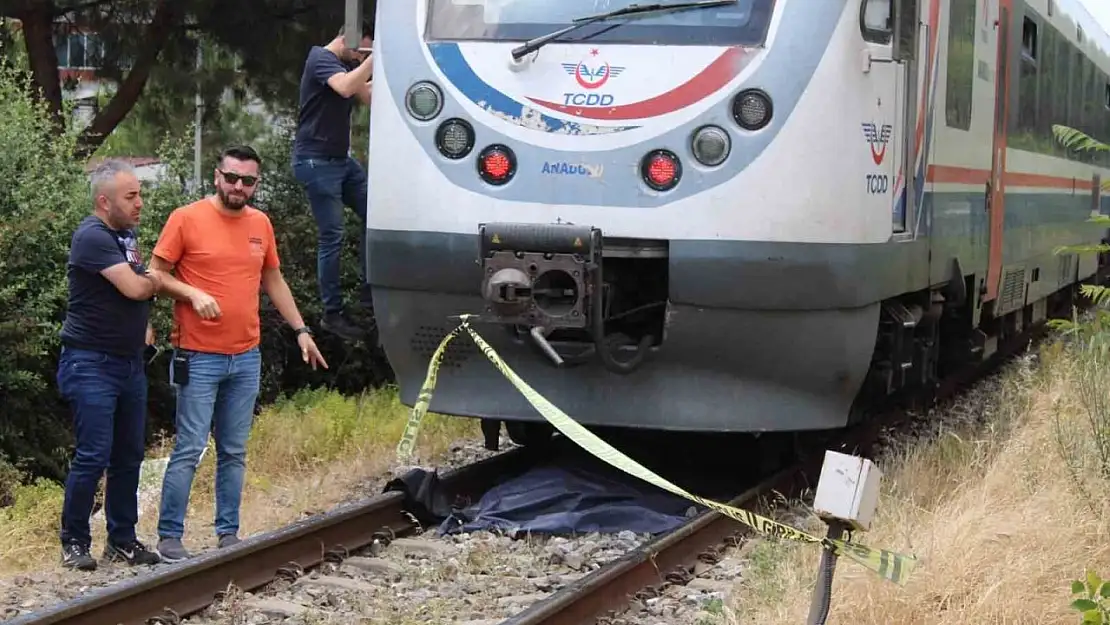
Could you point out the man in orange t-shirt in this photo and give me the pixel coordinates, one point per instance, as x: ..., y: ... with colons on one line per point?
x: 222, y: 251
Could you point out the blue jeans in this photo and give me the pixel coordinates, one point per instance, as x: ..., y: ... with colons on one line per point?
x: 220, y: 392
x: 107, y: 394
x: 332, y: 183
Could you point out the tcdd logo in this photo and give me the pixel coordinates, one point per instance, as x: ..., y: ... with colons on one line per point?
x: 587, y: 99
x: 877, y: 139
x: 592, y: 76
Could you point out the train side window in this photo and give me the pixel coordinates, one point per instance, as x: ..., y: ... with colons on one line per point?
x: 875, y: 21
x: 960, y: 78
x: 1029, y: 39
x: 1028, y: 117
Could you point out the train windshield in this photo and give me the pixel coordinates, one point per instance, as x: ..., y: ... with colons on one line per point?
x: 741, y: 23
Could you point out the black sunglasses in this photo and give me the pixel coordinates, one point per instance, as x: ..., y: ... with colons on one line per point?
x: 233, y: 178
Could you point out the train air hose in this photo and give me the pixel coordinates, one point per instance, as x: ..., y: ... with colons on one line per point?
x: 604, y: 345
x: 604, y: 351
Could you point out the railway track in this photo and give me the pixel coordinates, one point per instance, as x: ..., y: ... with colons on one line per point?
x: 672, y: 558
x: 170, y: 595
x: 174, y: 593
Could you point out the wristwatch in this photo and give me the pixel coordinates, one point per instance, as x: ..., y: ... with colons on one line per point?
x: 302, y: 330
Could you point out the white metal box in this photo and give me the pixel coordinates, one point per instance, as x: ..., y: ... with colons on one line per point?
x: 848, y: 489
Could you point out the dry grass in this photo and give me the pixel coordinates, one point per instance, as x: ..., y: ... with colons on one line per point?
x: 305, y: 455
x: 1005, y: 509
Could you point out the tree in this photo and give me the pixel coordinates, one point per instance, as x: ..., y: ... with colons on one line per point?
x: 138, y: 38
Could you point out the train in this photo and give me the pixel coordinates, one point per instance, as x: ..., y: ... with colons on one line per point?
x: 739, y: 216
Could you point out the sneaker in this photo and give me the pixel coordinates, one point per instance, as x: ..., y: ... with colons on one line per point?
x: 133, y: 553
x: 337, y: 324
x: 76, y: 556
x: 172, y: 550
x: 227, y: 540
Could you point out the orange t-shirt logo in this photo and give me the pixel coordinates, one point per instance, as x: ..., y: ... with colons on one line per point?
x: 222, y: 255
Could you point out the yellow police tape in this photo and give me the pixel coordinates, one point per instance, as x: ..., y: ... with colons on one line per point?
x: 890, y: 566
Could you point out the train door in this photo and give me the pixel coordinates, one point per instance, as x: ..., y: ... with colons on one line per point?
x: 904, y: 158
x: 884, y: 123
x: 900, y: 160
x: 996, y: 185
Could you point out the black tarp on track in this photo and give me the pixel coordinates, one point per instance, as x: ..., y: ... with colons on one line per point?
x: 549, y: 499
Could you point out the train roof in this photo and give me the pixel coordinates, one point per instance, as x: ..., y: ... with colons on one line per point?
x: 1094, y: 32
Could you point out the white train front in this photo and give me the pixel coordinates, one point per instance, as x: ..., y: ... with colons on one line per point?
x: 698, y: 218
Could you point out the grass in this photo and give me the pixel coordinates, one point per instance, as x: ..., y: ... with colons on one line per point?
x: 1005, y: 506
x: 305, y: 455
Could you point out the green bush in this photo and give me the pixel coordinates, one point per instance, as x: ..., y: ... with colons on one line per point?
x: 1094, y: 599
x: 44, y: 197
x: 1085, y: 447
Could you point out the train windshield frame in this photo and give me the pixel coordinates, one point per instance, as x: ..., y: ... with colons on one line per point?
x: 743, y: 24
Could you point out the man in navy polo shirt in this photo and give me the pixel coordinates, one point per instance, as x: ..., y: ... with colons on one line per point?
x: 334, y: 76
x: 101, y: 372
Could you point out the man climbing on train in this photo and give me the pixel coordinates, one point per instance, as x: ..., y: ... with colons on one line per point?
x: 334, y: 77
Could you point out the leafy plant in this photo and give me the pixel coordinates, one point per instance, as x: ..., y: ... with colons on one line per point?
x: 1094, y: 601
x: 1073, y: 139
x: 1091, y: 342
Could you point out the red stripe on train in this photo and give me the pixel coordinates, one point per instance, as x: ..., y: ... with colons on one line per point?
x: 946, y: 174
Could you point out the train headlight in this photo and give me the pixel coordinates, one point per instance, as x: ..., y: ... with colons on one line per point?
x: 710, y: 145
x: 424, y: 101
x: 496, y: 164
x: 454, y: 138
x: 752, y: 109
x: 661, y: 170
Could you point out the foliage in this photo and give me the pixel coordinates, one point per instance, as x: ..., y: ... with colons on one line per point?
x: 1072, y: 139
x: 170, y: 99
x: 258, y: 44
x: 1083, y: 443
x: 45, y: 195
x: 11, y: 44
x: 40, y: 501
x: 1087, y: 453
x: 1094, y: 601
x: 10, y: 478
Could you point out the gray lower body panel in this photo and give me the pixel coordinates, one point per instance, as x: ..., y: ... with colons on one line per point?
x: 718, y: 369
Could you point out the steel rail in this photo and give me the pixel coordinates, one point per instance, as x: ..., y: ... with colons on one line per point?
x: 188, y: 587
x: 612, y: 587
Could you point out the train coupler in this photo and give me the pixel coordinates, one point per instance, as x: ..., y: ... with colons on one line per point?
x: 539, y: 275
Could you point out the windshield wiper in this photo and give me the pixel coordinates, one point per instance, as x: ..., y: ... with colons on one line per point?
x: 633, y: 9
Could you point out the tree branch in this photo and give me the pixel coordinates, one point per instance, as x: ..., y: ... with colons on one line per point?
x: 253, y: 21
x: 84, y: 6
x: 166, y: 18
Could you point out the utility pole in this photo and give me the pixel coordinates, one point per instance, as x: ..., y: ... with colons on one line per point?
x: 199, y: 122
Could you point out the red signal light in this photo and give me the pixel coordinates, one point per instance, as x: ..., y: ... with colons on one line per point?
x: 661, y: 170
x: 496, y: 164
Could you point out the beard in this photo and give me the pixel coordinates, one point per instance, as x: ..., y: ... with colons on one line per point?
x: 232, y: 202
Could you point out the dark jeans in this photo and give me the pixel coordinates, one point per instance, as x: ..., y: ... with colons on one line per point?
x: 107, y: 394
x: 332, y: 183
